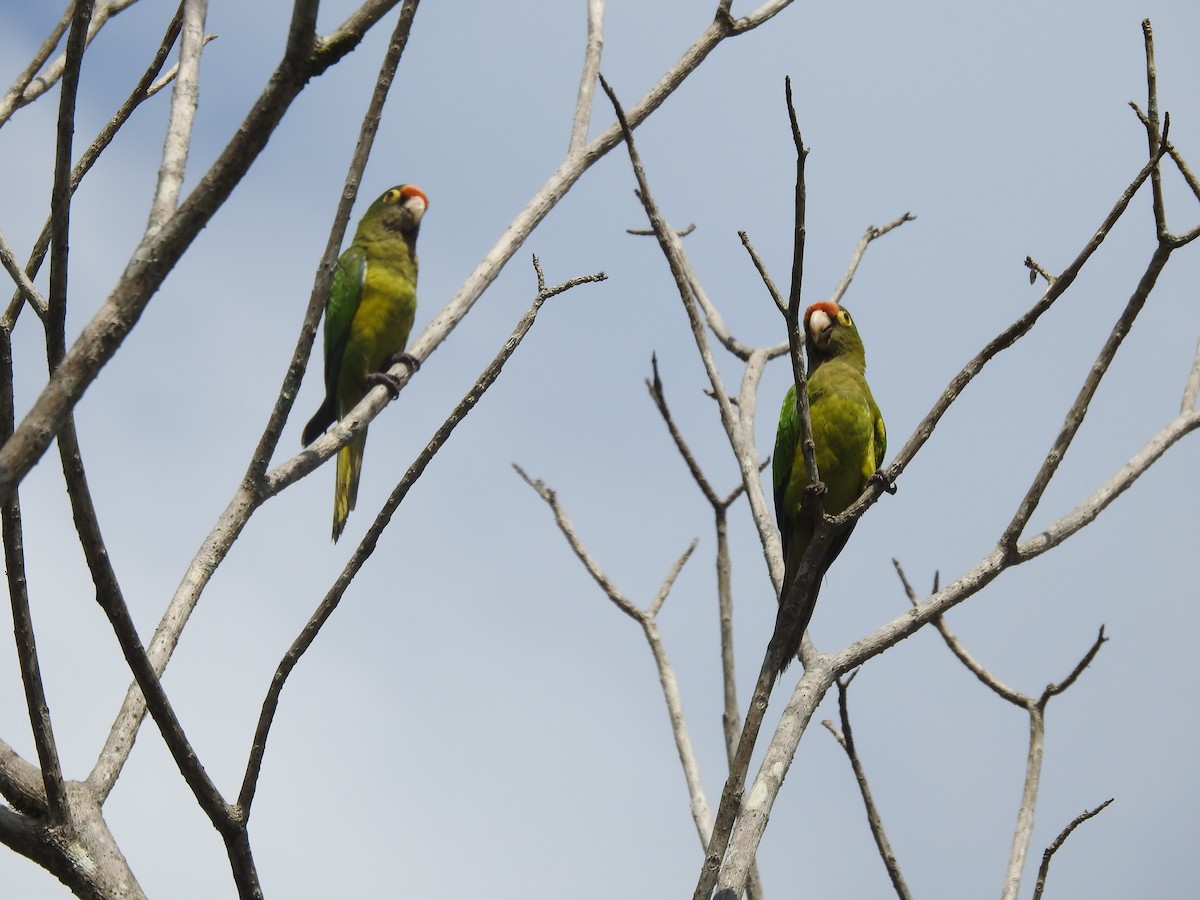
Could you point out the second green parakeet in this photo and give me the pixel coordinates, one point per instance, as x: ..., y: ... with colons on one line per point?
x: 368, y: 316
x: 849, y: 442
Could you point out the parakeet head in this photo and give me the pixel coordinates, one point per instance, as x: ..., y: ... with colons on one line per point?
x: 830, y: 331
x: 397, y: 211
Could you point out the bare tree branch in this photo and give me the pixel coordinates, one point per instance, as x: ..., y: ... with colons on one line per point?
x: 761, y: 268
x: 1087, y: 391
x: 871, y: 234
x: 1192, y: 389
x: 845, y: 738
x: 26, y: 290
x: 184, y: 100
x: 701, y: 815
x: 13, y: 98
x: 1044, y: 868
x: 145, y: 88
x: 587, y: 77
x: 29, y: 87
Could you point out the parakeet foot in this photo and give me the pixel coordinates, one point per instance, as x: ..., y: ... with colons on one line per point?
x: 880, y: 477
x: 407, y: 358
x: 383, y: 378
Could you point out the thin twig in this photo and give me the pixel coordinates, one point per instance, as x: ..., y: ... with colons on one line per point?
x: 47, y: 77
x: 845, y: 738
x: 144, y: 89
x: 1078, y: 410
x: 1036, y: 709
x: 1002, y: 341
x: 13, y: 98
x: 655, y: 386
x: 184, y: 100
x: 646, y: 618
x: 590, y: 564
x: 50, y: 796
x: 1154, y: 137
x: 761, y: 268
x: 1044, y: 868
x: 587, y: 76
x: 1191, y: 390
x: 27, y: 292
x: 872, y: 233
x: 1188, y: 175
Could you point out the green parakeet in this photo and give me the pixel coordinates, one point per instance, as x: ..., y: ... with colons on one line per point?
x: 849, y: 442
x: 368, y: 316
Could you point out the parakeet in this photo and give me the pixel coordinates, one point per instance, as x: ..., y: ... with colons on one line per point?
x: 368, y: 316
x: 849, y: 442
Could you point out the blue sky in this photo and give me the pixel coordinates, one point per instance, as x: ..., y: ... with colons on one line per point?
x: 476, y: 717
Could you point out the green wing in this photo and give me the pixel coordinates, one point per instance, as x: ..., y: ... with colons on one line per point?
x: 784, y: 459
x: 880, y: 435
x: 345, y: 294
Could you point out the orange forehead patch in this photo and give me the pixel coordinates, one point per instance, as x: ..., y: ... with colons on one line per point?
x: 411, y: 190
x: 828, y: 307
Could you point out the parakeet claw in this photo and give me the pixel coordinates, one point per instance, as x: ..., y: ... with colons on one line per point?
x: 407, y: 358
x: 880, y: 477
x: 383, y: 378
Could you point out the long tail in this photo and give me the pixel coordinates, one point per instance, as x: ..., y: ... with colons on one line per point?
x: 318, y: 423
x: 345, y: 488
x: 807, y: 605
x: 809, y: 602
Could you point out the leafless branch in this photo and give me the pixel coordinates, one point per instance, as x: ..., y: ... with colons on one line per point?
x: 845, y: 738
x: 1191, y: 390
x: 587, y: 77
x: 26, y: 290
x: 590, y: 564
x: 1087, y: 391
x: 1188, y: 175
x: 51, y: 798
x: 1002, y: 341
x: 871, y: 234
x: 29, y: 86
x: 184, y: 99
x: 701, y: 815
x: 144, y: 89
x: 685, y: 280
x: 13, y: 98
x: 1154, y: 136
x: 730, y: 717
x: 1044, y: 868
x: 761, y: 268
x: 655, y: 386
x: 1053, y: 690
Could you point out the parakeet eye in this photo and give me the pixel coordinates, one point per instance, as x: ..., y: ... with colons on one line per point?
x: 844, y: 318
x: 392, y: 196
